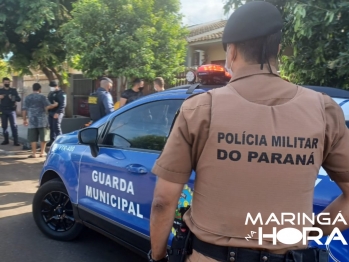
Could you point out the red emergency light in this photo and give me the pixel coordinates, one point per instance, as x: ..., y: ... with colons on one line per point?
x: 213, y: 74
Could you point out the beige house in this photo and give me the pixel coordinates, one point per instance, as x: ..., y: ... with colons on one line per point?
x: 205, y: 44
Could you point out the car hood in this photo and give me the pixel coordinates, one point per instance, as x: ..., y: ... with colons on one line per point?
x: 69, y: 138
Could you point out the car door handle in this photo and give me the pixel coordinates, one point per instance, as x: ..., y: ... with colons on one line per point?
x: 137, y: 169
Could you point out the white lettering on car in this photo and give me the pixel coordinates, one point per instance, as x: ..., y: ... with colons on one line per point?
x: 63, y: 148
x: 112, y: 199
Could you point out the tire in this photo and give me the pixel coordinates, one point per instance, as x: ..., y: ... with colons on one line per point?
x: 53, y: 212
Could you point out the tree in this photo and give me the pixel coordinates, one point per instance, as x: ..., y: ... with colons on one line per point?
x: 4, y: 69
x: 30, y: 30
x: 127, y: 38
x: 318, y: 33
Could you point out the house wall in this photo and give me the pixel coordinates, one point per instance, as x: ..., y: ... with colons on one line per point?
x: 215, y: 52
x: 212, y: 52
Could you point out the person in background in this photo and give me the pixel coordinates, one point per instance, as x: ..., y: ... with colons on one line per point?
x: 101, y: 102
x: 159, y: 84
x: 132, y: 94
x: 34, y: 107
x: 105, y: 100
x: 8, y: 98
x: 56, y: 114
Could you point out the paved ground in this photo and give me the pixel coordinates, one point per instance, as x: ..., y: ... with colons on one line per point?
x: 22, y: 130
x: 21, y: 240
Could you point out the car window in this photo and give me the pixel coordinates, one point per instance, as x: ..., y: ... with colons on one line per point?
x: 100, y: 129
x: 347, y: 123
x: 143, y: 127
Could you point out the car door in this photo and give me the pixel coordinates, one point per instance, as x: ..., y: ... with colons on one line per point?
x: 118, y: 185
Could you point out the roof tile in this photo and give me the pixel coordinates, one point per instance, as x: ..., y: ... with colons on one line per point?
x: 207, y: 37
x: 205, y: 28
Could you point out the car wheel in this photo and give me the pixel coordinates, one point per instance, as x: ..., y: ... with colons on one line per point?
x: 53, y: 212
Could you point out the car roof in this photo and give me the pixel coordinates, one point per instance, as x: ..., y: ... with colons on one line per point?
x: 330, y: 91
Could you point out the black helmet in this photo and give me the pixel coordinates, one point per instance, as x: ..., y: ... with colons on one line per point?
x: 252, y: 20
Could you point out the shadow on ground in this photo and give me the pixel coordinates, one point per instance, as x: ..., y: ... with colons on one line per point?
x: 21, y: 241
x: 20, y: 238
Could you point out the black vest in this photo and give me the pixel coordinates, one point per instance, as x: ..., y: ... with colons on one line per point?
x: 96, y: 106
x: 9, y: 100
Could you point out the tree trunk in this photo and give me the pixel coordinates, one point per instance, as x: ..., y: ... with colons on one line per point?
x: 60, y: 79
x: 48, y: 73
x: 52, y: 74
x: 123, y: 85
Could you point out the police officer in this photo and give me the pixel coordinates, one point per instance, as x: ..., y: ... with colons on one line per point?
x: 8, y: 98
x: 256, y: 146
x: 56, y: 114
x: 101, y: 102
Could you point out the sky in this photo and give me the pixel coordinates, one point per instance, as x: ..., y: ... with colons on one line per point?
x: 201, y: 11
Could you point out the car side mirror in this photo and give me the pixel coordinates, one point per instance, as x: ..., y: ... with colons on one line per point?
x: 89, y: 136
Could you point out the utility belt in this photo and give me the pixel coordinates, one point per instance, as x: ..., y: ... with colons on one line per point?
x: 236, y: 254
x: 8, y: 108
x: 184, y: 242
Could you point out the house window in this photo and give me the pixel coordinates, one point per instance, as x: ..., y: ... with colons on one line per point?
x: 196, y: 59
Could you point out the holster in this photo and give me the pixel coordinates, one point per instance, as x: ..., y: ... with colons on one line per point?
x: 181, y: 245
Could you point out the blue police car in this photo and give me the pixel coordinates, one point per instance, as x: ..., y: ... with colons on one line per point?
x: 100, y: 177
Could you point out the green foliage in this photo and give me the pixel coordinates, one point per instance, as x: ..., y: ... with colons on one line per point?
x: 31, y: 31
x: 5, y: 69
x: 152, y: 142
x: 318, y: 33
x: 131, y: 38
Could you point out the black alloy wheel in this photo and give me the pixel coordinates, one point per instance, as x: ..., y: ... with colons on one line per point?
x: 53, y: 212
x: 57, y: 211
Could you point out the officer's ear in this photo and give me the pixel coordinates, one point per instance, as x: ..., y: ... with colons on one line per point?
x: 233, y: 52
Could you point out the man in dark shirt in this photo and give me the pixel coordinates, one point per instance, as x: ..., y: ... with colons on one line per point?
x: 8, y: 98
x: 132, y: 94
x: 56, y: 114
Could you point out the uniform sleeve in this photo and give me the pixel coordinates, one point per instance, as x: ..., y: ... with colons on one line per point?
x: 186, y: 141
x: 108, y: 104
x: 61, y: 103
x: 336, y: 150
x: 18, y: 98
